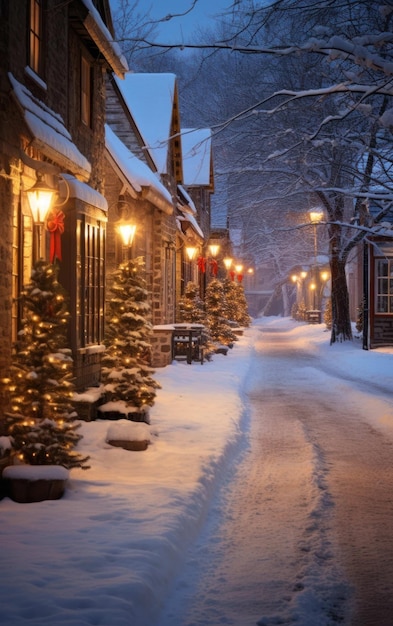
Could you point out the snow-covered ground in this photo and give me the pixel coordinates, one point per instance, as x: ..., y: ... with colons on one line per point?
x: 108, y: 551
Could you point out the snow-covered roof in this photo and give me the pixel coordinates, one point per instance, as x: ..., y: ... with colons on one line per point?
x: 49, y: 133
x: 101, y: 36
x: 190, y: 206
x: 196, y: 151
x: 150, y: 99
x: 186, y: 217
x: 77, y: 189
x: 140, y: 178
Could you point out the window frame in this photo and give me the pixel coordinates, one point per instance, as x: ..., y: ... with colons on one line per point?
x: 383, y: 281
x: 36, y: 37
x: 91, y: 282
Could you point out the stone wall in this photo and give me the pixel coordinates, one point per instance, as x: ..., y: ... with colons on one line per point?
x: 161, y: 343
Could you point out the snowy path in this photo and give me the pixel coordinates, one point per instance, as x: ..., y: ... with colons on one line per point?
x: 302, y: 533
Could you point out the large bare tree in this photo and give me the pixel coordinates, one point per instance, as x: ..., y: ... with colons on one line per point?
x: 298, y: 94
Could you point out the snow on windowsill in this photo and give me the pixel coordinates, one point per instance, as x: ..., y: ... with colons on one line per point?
x: 31, y: 73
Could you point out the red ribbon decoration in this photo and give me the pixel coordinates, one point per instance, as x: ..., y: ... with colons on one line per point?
x: 214, y: 267
x: 240, y: 277
x: 55, y: 225
x: 202, y: 264
x: 232, y: 275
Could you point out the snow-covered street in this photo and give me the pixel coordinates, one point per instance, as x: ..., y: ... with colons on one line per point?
x: 265, y: 496
x: 302, y: 533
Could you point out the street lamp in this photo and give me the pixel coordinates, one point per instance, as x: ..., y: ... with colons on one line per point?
x: 214, y: 249
x: 316, y: 216
x: 191, y: 251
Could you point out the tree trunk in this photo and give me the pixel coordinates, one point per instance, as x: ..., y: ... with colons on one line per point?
x: 341, y: 321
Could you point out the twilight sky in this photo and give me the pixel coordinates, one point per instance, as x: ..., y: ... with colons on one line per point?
x: 182, y: 28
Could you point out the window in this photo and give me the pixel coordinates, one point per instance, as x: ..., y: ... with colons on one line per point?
x: 36, y: 33
x: 91, y: 278
x: 86, y: 79
x: 384, y: 286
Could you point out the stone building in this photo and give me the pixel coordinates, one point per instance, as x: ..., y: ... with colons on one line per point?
x: 53, y: 60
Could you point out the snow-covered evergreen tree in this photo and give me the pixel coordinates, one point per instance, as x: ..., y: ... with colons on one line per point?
x: 236, y: 302
x: 40, y: 419
x: 191, y: 308
x: 217, y: 314
x: 126, y: 373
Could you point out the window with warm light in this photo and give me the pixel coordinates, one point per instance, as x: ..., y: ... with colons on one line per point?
x: 36, y: 37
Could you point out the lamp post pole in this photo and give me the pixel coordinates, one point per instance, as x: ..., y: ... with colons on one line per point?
x: 316, y: 215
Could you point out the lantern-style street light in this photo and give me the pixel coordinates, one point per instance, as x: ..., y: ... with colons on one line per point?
x: 316, y: 216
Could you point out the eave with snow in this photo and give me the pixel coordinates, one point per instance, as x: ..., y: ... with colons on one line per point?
x: 48, y: 132
x: 139, y: 180
x: 91, y: 28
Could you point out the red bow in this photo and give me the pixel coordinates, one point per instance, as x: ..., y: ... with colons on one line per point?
x: 202, y: 264
x: 214, y: 267
x: 55, y: 225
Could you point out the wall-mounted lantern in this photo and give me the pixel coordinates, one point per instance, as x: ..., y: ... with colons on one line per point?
x: 41, y: 198
x: 127, y: 233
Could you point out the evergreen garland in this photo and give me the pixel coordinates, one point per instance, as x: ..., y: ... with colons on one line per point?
x: 40, y: 419
x: 126, y: 373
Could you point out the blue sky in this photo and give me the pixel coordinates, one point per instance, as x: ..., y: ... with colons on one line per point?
x: 182, y: 28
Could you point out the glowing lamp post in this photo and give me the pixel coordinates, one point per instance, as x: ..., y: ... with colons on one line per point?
x: 191, y: 252
x: 214, y: 249
x: 316, y: 216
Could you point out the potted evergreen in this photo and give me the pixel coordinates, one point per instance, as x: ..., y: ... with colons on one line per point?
x: 40, y: 419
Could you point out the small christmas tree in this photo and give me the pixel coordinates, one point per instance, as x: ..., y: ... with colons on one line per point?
x: 231, y: 295
x: 327, y: 314
x: 217, y: 314
x: 126, y: 373
x: 191, y: 305
x: 40, y: 420
x: 236, y: 302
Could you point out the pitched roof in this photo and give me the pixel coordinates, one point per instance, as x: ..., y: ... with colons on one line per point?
x: 152, y: 102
